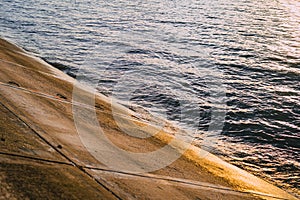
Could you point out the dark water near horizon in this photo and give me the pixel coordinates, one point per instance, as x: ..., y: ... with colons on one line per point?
x: 189, y: 61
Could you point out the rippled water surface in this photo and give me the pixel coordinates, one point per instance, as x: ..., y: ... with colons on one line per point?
x: 189, y: 61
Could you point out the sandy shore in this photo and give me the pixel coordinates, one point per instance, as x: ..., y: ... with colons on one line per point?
x: 42, y: 155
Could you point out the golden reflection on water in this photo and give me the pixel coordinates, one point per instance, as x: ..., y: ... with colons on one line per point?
x: 293, y: 6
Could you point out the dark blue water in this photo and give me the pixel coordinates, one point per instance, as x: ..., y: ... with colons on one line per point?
x: 189, y: 61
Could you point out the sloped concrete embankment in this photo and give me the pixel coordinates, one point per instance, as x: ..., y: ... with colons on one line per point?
x: 42, y: 155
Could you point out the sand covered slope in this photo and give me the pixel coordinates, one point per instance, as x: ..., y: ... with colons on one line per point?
x: 59, y: 140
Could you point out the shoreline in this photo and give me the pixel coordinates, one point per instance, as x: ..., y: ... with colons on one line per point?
x: 70, y: 71
x: 41, y: 96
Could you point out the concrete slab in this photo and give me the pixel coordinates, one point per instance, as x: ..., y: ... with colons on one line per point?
x: 22, y: 178
x: 16, y: 138
x: 132, y: 186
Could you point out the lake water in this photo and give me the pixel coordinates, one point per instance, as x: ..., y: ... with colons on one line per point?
x: 227, y: 70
